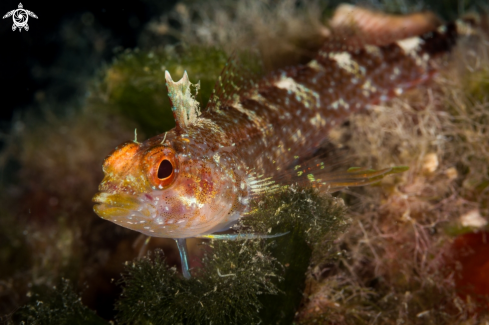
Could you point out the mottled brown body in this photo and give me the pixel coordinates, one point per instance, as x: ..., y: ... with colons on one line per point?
x: 218, y: 160
x: 290, y: 112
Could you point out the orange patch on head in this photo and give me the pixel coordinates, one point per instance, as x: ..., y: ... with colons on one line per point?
x: 118, y: 159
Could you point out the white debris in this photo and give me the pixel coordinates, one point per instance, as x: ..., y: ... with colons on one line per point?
x: 474, y: 219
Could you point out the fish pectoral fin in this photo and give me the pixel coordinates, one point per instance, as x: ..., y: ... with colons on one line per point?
x: 325, y: 175
x: 241, y: 236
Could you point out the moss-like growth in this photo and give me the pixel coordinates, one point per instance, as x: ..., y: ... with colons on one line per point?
x: 61, y: 305
x: 134, y: 85
x: 224, y: 291
x: 311, y: 221
x: 314, y: 217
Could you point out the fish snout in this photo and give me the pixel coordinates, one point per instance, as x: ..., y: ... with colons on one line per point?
x: 113, y: 206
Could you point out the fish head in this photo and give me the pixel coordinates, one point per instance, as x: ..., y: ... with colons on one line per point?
x: 171, y: 189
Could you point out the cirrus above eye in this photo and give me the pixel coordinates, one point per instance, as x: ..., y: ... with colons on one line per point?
x: 165, y: 169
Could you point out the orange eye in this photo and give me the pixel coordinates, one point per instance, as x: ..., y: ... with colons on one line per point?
x: 161, y: 166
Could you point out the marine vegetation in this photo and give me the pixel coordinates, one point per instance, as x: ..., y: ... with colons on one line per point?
x: 242, y: 178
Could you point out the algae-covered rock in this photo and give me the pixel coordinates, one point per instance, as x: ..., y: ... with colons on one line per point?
x: 134, y: 84
x: 60, y: 305
x: 224, y: 291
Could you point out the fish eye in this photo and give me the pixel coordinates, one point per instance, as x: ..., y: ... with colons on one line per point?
x: 161, y: 166
x: 165, y: 170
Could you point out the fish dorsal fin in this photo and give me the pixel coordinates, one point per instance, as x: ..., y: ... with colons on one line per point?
x: 184, y: 106
x: 242, y: 71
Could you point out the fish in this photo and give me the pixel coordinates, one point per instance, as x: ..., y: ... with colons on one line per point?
x: 255, y: 136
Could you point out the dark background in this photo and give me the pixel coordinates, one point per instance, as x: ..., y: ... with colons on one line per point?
x: 66, y: 45
x: 49, y: 65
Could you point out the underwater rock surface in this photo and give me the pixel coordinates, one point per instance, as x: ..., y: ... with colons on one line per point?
x: 373, y: 254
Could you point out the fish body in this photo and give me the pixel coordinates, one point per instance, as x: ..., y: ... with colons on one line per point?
x: 199, y: 177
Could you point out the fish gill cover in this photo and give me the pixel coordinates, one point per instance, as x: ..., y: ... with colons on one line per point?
x: 378, y: 254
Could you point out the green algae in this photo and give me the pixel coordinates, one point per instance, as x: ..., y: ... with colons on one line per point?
x: 311, y: 221
x: 305, y: 213
x: 134, y: 85
x: 224, y: 291
x: 59, y: 305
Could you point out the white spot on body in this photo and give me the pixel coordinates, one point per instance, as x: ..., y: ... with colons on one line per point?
x: 257, y: 120
x: 345, y: 62
x: 372, y: 49
x: 340, y: 103
x: 303, y: 94
x: 286, y: 83
x: 217, y: 158
x: 368, y: 88
x: 315, y: 65
x: 317, y: 121
x: 262, y: 100
x: 410, y: 45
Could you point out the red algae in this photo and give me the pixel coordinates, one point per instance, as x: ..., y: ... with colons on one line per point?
x: 470, y: 264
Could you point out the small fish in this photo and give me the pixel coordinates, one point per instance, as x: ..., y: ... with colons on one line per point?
x: 198, y: 178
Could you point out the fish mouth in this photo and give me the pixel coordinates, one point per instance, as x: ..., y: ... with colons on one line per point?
x: 110, y: 206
